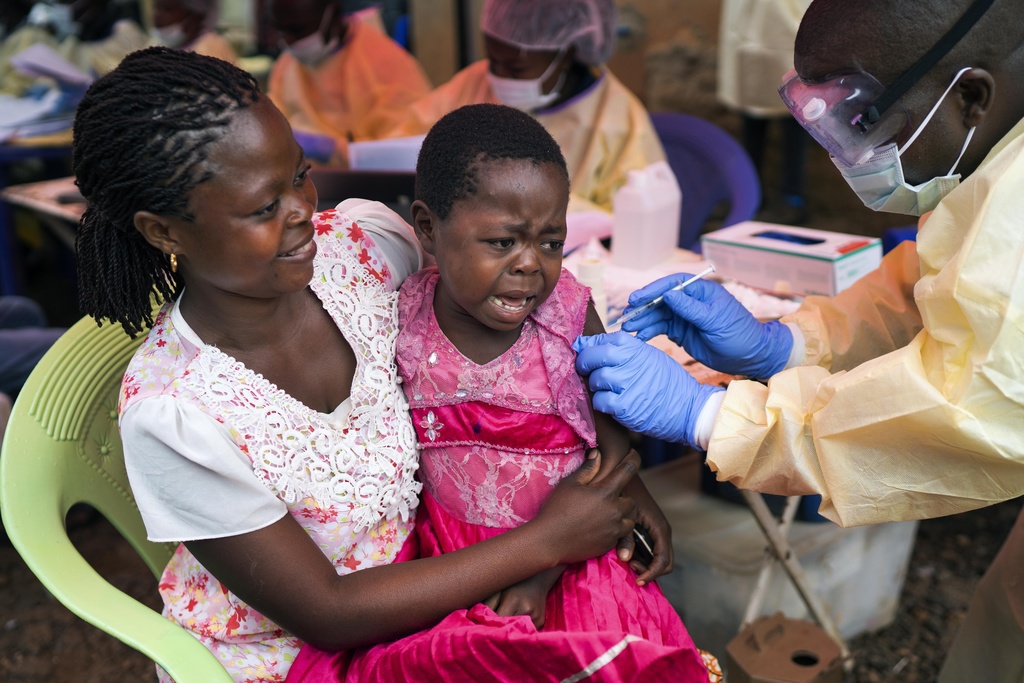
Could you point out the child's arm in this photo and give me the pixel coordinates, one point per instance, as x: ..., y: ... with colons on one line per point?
x: 613, y: 441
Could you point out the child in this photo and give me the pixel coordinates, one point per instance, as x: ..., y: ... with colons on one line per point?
x: 485, y: 355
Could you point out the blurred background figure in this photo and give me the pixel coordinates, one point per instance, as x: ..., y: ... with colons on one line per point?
x: 12, y: 13
x: 103, y: 32
x: 190, y: 25
x: 547, y: 58
x: 24, y: 338
x: 93, y: 35
x: 755, y: 48
x: 338, y: 79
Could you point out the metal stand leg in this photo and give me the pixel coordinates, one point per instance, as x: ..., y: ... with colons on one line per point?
x: 776, y: 535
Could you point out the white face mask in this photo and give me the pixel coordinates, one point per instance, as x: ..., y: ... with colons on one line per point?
x: 526, y: 94
x: 170, y: 36
x: 879, y: 181
x: 313, y: 49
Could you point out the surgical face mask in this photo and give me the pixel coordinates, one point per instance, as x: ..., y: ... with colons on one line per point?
x: 313, y: 49
x: 170, y: 36
x: 527, y: 94
x: 879, y: 181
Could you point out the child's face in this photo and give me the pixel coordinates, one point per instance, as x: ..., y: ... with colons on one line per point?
x: 252, y: 233
x: 499, y: 251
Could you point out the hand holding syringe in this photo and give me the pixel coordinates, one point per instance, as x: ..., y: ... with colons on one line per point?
x: 657, y: 301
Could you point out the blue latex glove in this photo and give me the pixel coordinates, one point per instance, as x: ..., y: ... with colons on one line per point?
x: 641, y: 387
x: 317, y: 147
x: 713, y: 327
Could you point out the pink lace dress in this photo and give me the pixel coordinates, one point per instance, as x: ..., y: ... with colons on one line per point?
x: 495, y: 439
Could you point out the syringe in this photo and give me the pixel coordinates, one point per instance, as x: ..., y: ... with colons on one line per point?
x: 655, y: 302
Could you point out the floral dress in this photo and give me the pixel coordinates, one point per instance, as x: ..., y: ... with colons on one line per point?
x: 349, y: 481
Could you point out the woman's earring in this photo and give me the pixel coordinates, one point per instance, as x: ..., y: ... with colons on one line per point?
x: 174, y: 263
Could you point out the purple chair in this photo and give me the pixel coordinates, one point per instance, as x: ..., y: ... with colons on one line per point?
x: 711, y: 167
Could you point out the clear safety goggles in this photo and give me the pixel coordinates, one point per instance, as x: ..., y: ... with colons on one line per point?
x: 833, y: 110
x: 852, y: 114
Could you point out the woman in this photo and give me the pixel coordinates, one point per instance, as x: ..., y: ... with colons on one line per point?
x: 262, y: 418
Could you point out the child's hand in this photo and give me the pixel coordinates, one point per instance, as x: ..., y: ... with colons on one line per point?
x: 583, y: 517
x: 650, y: 517
x: 526, y: 597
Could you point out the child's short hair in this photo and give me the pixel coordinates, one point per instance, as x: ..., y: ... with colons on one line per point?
x: 141, y: 136
x: 453, y: 149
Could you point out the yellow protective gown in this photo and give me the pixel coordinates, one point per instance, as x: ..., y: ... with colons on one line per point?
x: 100, y: 57
x: 12, y: 81
x: 603, y: 132
x: 358, y: 93
x: 913, y: 405
x: 95, y: 57
x: 755, y: 47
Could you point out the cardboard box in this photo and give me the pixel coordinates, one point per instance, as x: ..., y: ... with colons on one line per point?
x: 785, y: 259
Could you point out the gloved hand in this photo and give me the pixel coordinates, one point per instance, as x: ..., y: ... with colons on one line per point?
x: 317, y: 147
x: 713, y: 327
x: 642, y: 387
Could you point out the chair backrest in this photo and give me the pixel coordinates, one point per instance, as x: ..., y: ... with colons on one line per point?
x: 711, y: 167
x: 62, y: 447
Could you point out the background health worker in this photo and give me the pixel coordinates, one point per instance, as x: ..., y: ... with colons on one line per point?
x: 901, y: 397
x: 191, y: 25
x: 338, y: 79
x: 547, y: 58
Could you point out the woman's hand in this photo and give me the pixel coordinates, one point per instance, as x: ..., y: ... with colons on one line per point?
x: 583, y: 517
x: 650, y: 517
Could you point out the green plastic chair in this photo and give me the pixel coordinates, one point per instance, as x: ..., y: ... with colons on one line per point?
x: 62, y: 447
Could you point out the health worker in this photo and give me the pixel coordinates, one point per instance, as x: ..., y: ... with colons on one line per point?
x: 547, y: 58
x: 338, y: 79
x: 191, y: 25
x: 900, y: 398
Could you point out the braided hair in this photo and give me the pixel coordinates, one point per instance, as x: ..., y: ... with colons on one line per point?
x: 457, y: 145
x: 141, y: 135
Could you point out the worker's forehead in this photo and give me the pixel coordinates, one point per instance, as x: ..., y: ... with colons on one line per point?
x: 847, y: 51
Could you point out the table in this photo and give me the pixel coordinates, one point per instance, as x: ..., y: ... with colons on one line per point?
x: 48, y: 199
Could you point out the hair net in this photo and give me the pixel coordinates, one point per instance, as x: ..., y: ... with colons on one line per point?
x: 589, y: 25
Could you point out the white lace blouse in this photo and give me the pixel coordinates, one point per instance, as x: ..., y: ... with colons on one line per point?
x: 189, y: 477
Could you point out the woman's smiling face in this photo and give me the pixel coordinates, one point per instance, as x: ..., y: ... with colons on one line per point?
x: 499, y: 250
x: 252, y: 234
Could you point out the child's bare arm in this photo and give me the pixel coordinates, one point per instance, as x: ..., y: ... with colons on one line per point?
x: 612, y: 438
x: 613, y: 442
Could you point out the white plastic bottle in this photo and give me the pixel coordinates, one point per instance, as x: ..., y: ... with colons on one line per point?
x: 645, y: 217
x: 591, y: 274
